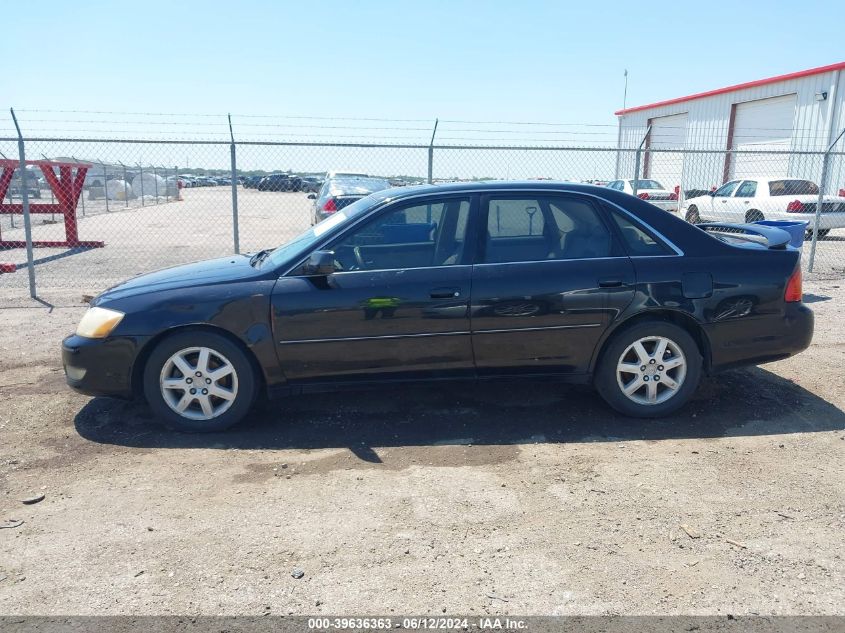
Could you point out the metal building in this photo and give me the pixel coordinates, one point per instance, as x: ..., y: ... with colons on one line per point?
x: 746, y: 130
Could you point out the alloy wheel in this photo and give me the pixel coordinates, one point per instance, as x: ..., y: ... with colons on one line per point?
x: 198, y: 383
x: 651, y: 370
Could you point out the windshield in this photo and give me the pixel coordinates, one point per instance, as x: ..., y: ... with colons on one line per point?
x: 307, y: 240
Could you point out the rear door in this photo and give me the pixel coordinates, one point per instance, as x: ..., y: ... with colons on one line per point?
x: 548, y: 276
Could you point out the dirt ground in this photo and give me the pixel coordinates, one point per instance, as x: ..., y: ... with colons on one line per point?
x: 503, y: 499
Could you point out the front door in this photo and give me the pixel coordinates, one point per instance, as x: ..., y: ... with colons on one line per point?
x: 398, y: 304
x: 721, y: 201
x: 549, y: 273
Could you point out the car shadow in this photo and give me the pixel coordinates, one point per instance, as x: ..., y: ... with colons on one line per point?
x: 745, y: 402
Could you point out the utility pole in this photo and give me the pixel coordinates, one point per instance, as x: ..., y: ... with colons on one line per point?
x: 625, y: 93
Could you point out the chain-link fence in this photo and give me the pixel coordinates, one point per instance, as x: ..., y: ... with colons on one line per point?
x: 104, y: 210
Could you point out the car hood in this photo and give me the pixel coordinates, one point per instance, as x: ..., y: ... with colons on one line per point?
x: 208, y: 272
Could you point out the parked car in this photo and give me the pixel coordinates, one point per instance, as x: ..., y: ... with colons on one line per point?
x: 33, y: 184
x: 311, y: 184
x: 337, y: 173
x: 338, y: 193
x: 251, y: 182
x: 451, y: 282
x: 762, y: 198
x: 280, y: 182
x: 649, y: 190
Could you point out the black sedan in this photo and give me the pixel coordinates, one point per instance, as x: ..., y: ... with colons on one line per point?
x: 452, y: 282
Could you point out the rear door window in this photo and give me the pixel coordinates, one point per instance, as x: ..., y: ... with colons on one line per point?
x: 544, y: 228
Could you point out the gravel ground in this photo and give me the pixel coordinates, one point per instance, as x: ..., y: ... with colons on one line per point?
x: 529, y: 499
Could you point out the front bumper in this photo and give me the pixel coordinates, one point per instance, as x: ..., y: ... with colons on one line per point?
x: 754, y: 341
x: 100, y: 367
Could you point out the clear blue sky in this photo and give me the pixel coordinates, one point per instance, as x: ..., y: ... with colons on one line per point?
x: 457, y: 60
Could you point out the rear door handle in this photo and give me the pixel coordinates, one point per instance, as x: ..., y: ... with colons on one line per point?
x: 610, y: 283
x: 445, y: 293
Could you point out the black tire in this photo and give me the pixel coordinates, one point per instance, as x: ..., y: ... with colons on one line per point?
x: 608, y: 385
x: 753, y: 216
x: 245, y: 387
x: 692, y: 215
x: 822, y: 234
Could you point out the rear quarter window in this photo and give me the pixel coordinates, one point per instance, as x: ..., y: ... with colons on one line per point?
x: 638, y: 242
x: 793, y: 188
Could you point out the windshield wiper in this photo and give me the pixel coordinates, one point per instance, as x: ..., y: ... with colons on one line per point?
x: 260, y: 256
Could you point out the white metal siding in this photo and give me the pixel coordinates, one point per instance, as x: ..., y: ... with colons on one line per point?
x: 668, y: 132
x: 709, y: 117
x: 764, y: 125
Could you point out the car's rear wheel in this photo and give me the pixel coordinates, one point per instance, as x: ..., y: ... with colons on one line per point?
x: 692, y: 215
x: 649, y: 370
x: 753, y: 216
x: 198, y: 381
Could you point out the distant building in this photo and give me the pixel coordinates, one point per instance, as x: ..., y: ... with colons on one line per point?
x: 801, y: 111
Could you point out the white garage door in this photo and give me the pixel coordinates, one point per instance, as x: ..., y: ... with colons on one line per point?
x: 760, y: 126
x: 667, y: 132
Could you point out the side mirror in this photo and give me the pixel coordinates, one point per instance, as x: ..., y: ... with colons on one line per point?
x: 312, y: 196
x: 712, y: 194
x: 319, y: 264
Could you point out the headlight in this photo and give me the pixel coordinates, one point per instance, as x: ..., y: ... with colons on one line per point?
x: 98, y: 322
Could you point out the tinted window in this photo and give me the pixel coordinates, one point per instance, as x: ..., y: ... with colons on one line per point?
x: 637, y: 241
x: 747, y: 189
x: 793, y: 188
x: 538, y: 229
x: 414, y: 236
x: 726, y: 190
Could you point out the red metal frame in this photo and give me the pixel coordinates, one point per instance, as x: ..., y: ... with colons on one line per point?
x: 66, y: 187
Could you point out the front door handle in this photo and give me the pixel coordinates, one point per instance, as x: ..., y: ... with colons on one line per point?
x: 445, y: 293
x: 610, y: 283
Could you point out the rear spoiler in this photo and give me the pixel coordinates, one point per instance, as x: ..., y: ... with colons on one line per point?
x: 769, y: 236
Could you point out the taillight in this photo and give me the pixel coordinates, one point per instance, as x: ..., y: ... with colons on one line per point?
x: 796, y: 206
x: 673, y: 196
x: 643, y: 196
x: 330, y: 206
x: 794, y: 293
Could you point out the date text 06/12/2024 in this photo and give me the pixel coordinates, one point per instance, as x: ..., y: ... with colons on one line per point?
x: 419, y: 623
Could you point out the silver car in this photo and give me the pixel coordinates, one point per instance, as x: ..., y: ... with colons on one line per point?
x: 337, y: 193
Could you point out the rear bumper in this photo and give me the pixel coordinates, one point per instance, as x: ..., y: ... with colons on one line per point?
x: 666, y: 205
x: 100, y: 367
x: 834, y: 220
x: 758, y: 340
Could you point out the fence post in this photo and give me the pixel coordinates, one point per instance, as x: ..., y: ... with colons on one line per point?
x: 81, y: 193
x: 235, y: 234
x: 822, y: 183
x: 637, y: 160
x: 105, y: 188
x: 125, y: 187
x: 141, y: 176
x: 155, y: 182
x: 431, y: 153
x: 27, y: 220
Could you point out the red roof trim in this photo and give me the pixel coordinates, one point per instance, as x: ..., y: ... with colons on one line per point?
x: 750, y: 84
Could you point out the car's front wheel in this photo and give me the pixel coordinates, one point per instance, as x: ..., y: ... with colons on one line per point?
x: 649, y: 370
x: 199, y: 381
